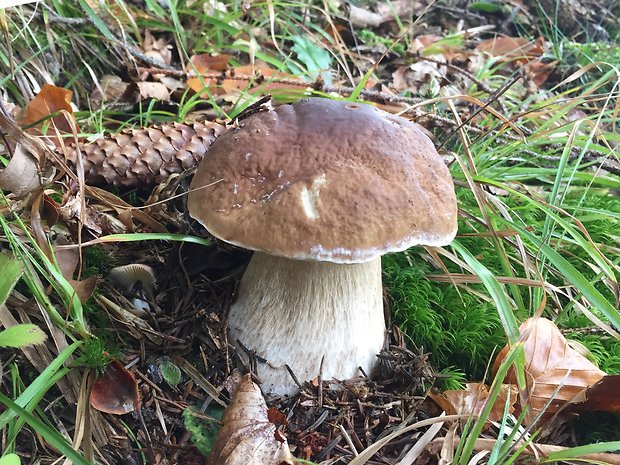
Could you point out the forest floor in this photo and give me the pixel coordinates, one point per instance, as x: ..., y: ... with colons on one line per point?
x: 521, y: 101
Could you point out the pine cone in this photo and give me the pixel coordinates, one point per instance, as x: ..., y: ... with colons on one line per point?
x: 146, y: 156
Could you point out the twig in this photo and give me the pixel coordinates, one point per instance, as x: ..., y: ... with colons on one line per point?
x: 375, y: 96
x: 348, y: 440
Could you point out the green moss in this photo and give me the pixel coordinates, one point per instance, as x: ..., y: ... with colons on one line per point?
x: 604, y: 349
x: 203, y: 430
x: 457, y: 329
x: 594, y: 427
x: 97, y: 260
x: 96, y: 353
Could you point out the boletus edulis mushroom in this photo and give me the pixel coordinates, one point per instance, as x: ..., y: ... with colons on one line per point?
x: 319, y: 189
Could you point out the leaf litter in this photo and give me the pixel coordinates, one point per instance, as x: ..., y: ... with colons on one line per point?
x: 327, y: 420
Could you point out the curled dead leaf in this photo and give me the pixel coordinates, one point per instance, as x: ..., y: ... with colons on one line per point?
x: 204, y: 63
x: 551, y: 364
x: 601, y: 396
x: 158, y: 49
x: 247, y: 436
x: 51, y: 99
x: 22, y: 175
x: 115, y: 391
x: 539, y: 72
x: 68, y: 260
x: 472, y: 400
x: 154, y: 90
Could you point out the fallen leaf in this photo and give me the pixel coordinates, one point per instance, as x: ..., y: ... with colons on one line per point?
x: 517, y: 49
x: 155, y: 90
x: 22, y: 175
x: 420, y: 42
x: 247, y: 437
x: 115, y: 391
x: 255, y: 77
x: 138, y: 91
x: 472, y: 400
x: 49, y: 100
x: 113, y: 88
x: 551, y: 364
x: 158, y: 49
x: 205, y: 63
x: 68, y: 260
x: 49, y: 210
x: 384, y: 12
x: 601, y: 396
x: 539, y: 72
x: 421, y: 76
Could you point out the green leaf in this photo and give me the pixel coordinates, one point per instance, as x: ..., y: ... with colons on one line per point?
x: 11, y: 272
x: 317, y: 60
x: 487, y: 7
x: 10, y: 459
x: 170, y: 372
x: 21, y: 335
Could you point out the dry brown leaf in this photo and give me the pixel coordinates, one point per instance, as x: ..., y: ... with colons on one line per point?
x: 68, y: 260
x: 472, y: 400
x: 551, y: 363
x: 22, y: 175
x: 158, y: 49
x: 417, y: 77
x: 259, y: 73
x: 247, y: 437
x: 539, y: 72
x: 49, y: 210
x: 115, y: 391
x: 49, y: 100
x: 154, y: 90
x: 384, y: 12
x: 205, y: 63
x: 125, y: 213
x: 602, y: 396
x: 512, y: 48
x: 420, y: 42
x: 84, y: 288
x: 113, y: 88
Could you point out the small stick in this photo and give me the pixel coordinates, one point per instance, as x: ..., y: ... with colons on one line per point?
x: 347, y: 438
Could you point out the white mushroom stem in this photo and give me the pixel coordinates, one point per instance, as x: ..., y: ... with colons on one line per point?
x: 293, y: 312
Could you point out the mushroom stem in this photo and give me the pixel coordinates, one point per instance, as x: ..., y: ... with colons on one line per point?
x: 294, y: 313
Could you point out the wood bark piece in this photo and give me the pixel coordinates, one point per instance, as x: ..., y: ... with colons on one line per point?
x: 147, y: 155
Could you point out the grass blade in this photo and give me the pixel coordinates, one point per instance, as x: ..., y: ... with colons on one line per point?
x: 51, y: 436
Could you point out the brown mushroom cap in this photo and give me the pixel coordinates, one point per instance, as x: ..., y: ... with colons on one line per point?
x: 325, y: 180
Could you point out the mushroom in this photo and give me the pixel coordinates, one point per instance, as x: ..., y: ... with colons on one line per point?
x: 319, y: 189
